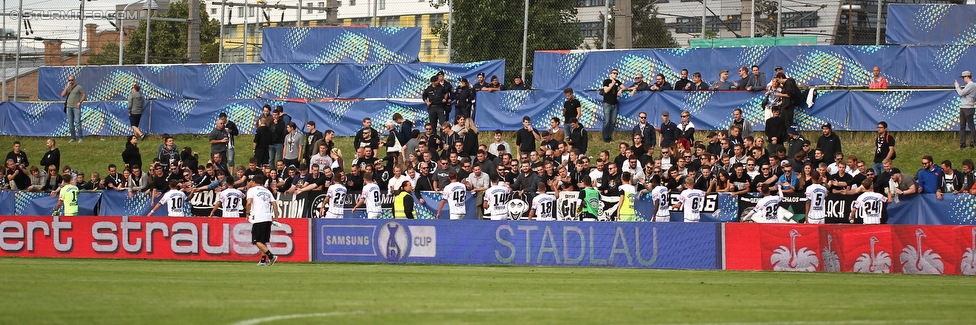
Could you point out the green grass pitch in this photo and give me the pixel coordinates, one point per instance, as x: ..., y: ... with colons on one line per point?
x: 60, y: 291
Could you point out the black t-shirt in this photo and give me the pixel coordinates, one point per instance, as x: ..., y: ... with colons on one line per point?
x: 883, y: 144
x: 681, y: 83
x: 570, y: 108
x: 610, y: 97
x: 21, y: 181
x: 354, y: 182
x: 847, y: 178
x: 703, y: 182
x: 757, y: 181
x: 739, y: 182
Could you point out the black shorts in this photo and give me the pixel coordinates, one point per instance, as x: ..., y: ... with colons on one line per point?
x: 134, y: 119
x: 261, y: 232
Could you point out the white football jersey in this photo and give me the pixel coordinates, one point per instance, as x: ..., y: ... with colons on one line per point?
x: 337, y: 199
x: 870, y: 205
x: 455, y: 195
x: 261, y: 204
x: 231, y: 202
x: 817, y: 196
x: 768, y: 208
x: 497, y: 197
x: 371, y: 196
x: 692, y: 201
x: 662, y: 195
x: 544, y: 206
x: 175, y: 200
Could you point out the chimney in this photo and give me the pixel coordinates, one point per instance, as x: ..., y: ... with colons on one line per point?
x: 52, y: 52
x: 90, y: 34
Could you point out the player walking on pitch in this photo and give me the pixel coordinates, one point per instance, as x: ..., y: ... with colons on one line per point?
x: 496, y: 197
x: 692, y: 200
x: 335, y: 196
x: 68, y: 197
x: 543, y: 205
x: 661, y: 196
x: 230, y: 201
x: 175, y: 201
x: 816, y: 199
x: 454, y: 195
x: 262, y: 211
x: 870, y: 204
x: 767, y: 207
x: 371, y: 197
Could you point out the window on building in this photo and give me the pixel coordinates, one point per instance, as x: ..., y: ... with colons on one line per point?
x: 240, y: 11
x: 392, y: 21
x: 418, y: 20
x: 428, y: 50
x: 381, y: 4
x: 352, y: 2
x: 436, y: 19
x: 800, y: 19
x: 594, y: 3
x: 213, y: 11
x: 360, y: 21
x: 591, y: 29
x: 321, y: 7
x: 250, y: 12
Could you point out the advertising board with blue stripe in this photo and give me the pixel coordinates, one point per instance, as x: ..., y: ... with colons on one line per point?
x: 480, y: 242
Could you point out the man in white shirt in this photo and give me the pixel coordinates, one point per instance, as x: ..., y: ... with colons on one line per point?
x: 262, y: 211
x: 493, y: 147
x: 230, y: 201
x: 496, y: 197
x: 816, y: 199
x: 370, y: 196
x: 336, y: 199
x: 543, y: 205
x: 454, y: 195
x: 692, y: 200
x: 767, y: 209
x: 175, y: 201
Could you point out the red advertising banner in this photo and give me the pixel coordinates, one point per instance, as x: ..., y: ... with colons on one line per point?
x: 147, y: 238
x: 925, y: 249
x: 862, y: 249
x: 905, y: 249
x: 790, y: 247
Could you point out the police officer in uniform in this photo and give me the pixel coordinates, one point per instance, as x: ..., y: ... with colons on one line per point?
x: 435, y: 96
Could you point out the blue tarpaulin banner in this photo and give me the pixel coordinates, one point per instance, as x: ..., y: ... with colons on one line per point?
x: 42, y: 203
x: 254, y: 80
x: 811, y: 65
x: 360, y: 45
x: 49, y: 119
x: 711, y: 110
x: 931, y: 24
x: 118, y: 203
x: 925, y: 209
x: 636, y: 245
x: 408, y: 80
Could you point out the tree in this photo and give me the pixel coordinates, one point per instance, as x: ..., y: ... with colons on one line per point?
x: 649, y: 30
x: 167, y: 40
x: 490, y: 30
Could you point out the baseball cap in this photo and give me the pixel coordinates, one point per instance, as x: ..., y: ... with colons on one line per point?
x: 481, y: 74
x: 544, y: 133
x: 440, y: 73
x: 827, y: 125
x: 967, y: 73
x: 895, y: 170
x: 792, y: 130
x: 463, y: 80
x: 665, y: 113
x: 779, y: 68
x: 784, y: 163
x: 433, y: 79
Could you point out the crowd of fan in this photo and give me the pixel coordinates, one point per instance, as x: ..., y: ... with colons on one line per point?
x: 297, y: 160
